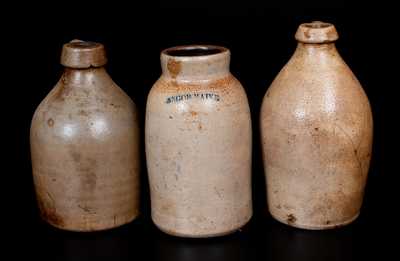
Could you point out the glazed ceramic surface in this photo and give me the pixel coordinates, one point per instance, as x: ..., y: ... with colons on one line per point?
x: 84, y: 146
x: 316, y: 126
x: 198, y: 144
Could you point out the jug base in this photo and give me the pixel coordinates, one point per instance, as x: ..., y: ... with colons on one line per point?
x: 107, y: 226
x: 316, y: 227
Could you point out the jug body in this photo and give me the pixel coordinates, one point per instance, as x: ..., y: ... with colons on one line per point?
x: 85, y: 146
x: 316, y: 128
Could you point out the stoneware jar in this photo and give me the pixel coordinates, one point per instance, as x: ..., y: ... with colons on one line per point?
x: 316, y: 126
x: 198, y: 144
x: 84, y: 146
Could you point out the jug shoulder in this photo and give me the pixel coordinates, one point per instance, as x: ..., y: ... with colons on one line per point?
x: 68, y: 112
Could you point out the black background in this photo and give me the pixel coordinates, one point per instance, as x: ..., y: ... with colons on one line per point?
x: 261, y: 41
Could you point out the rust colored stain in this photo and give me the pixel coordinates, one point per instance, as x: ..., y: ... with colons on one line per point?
x: 89, y: 180
x: 307, y: 33
x: 169, y: 207
x: 58, y: 94
x: 200, y: 127
x: 49, y: 214
x: 86, y: 209
x: 115, y: 105
x: 174, y: 67
x: 193, y: 113
x: 62, y: 91
x: 332, y: 34
x: 223, y: 83
x: 76, y: 156
x: 291, y: 218
x: 83, y: 113
x: 50, y: 122
x: 172, y: 86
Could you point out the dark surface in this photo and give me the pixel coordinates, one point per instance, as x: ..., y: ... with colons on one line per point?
x: 261, y: 41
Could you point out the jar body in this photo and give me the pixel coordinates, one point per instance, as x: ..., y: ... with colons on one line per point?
x: 85, y: 153
x: 198, y: 148
x: 316, y: 127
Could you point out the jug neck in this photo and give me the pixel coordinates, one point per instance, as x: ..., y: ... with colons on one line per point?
x: 316, y: 39
x: 316, y: 49
x: 84, y: 63
x: 84, y: 77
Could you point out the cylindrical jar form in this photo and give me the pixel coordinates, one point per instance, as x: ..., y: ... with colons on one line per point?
x: 85, y: 146
x: 198, y: 144
x: 316, y: 128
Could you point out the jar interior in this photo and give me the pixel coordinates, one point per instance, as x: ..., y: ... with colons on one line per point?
x: 193, y: 51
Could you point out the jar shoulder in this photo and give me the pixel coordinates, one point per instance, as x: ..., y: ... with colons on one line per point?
x: 226, y: 91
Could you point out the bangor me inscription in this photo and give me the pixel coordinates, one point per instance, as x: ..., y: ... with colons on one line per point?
x: 188, y: 96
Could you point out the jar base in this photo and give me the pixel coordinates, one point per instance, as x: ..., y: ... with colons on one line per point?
x: 84, y: 230
x: 316, y: 227
x: 206, y: 235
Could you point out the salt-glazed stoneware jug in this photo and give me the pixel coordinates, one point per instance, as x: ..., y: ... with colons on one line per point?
x: 85, y: 147
x: 198, y: 144
x: 316, y: 127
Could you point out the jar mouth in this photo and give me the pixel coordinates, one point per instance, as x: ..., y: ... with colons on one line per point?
x: 194, y: 51
x: 195, y: 62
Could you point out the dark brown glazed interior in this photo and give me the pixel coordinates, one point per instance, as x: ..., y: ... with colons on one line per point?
x: 194, y: 51
x: 316, y: 25
x: 83, y: 44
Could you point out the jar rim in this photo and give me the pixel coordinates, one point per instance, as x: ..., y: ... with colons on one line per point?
x: 194, y: 51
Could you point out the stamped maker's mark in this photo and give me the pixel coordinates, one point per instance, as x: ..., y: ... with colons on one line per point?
x: 189, y: 96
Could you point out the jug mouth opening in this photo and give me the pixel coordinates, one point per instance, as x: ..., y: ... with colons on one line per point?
x: 79, y: 54
x: 194, y: 50
x: 316, y: 32
x: 83, y: 44
x: 317, y: 25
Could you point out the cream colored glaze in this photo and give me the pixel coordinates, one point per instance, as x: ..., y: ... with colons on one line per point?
x: 198, y: 148
x: 316, y: 127
x: 85, y: 150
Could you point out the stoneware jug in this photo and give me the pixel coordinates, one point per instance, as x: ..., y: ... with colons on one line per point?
x: 316, y: 127
x: 85, y: 147
x: 198, y: 144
